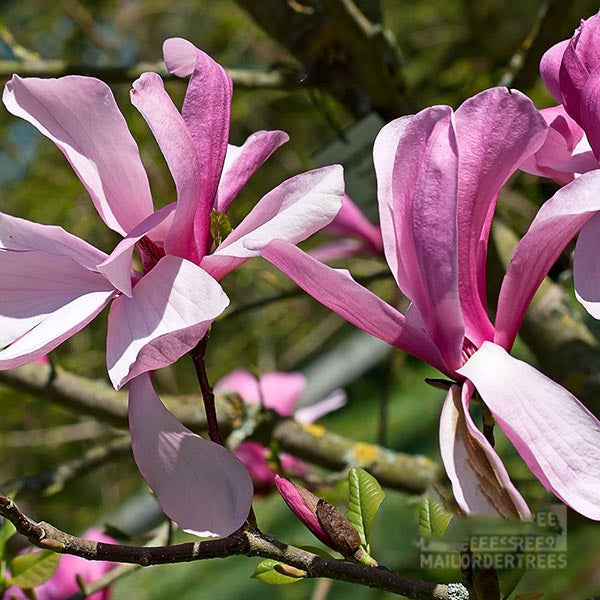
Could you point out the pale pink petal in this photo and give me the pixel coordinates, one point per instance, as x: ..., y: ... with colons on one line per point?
x: 339, y: 249
x: 170, y: 310
x: 550, y: 67
x: 293, y: 211
x: 590, y: 110
x: 351, y: 221
x: 117, y: 267
x: 21, y: 235
x: 339, y: 292
x: 206, y: 110
x: 480, y: 483
x: 555, y: 225
x: 46, y: 298
x: 202, y: 486
x: 171, y: 132
x: 417, y: 167
x: 553, y: 432
x: 80, y: 116
x: 496, y: 130
x: 586, y: 266
x: 241, y: 162
x: 277, y: 391
x: 303, y: 506
x: 310, y: 414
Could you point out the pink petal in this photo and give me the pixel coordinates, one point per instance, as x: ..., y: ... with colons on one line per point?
x: 292, y: 495
x: 573, y: 76
x: 351, y: 221
x: 202, y: 486
x: 205, y: 111
x: 80, y: 116
x: 277, y: 391
x: 586, y: 267
x: 254, y: 458
x: 339, y: 292
x: 550, y: 67
x: 555, y: 225
x: 241, y: 162
x: 496, y: 130
x: 21, y: 235
x: 170, y: 131
x: 590, y: 110
x: 117, y: 267
x: 46, y: 298
x: 339, y: 249
x: 312, y: 413
x: 170, y: 310
x: 553, y: 432
x: 293, y: 211
x: 480, y: 483
x: 417, y: 167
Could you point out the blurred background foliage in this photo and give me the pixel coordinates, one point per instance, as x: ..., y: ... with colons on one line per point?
x: 447, y: 51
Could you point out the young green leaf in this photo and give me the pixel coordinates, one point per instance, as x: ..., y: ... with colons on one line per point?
x: 220, y: 227
x: 34, y: 568
x: 433, y: 518
x: 7, y: 530
x: 365, y: 497
x: 275, y: 573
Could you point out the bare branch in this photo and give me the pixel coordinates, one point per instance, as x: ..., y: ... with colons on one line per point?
x: 249, y: 542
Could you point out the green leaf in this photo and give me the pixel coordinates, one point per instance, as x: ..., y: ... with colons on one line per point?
x: 433, y: 518
x: 365, y: 497
x: 34, y: 568
x: 267, y: 573
x: 7, y: 530
x: 220, y: 227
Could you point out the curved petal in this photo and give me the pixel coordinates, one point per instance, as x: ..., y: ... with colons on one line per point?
x: 206, y: 112
x: 416, y: 162
x: 117, y: 267
x: 202, y: 486
x: 170, y: 310
x: 46, y: 298
x: 590, y: 110
x: 550, y: 67
x: 80, y: 115
x: 573, y: 75
x: 310, y: 414
x: 170, y: 131
x: 338, y: 291
x: 553, y: 432
x: 339, y: 249
x: 293, y: 211
x: 241, y: 162
x: 496, y: 130
x: 480, y: 482
x: 556, y: 223
x: 277, y: 391
x: 586, y: 267
x: 21, y: 235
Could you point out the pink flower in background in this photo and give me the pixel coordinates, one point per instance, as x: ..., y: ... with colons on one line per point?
x: 279, y: 392
x: 357, y: 235
x: 439, y: 174
x: 64, y: 583
x: 59, y: 283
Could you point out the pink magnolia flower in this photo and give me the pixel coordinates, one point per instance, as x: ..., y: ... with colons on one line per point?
x: 571, y: 74
x: 279, y: 392
x: 64, y: 583
x: 56, y: 283
x: 439, y: 174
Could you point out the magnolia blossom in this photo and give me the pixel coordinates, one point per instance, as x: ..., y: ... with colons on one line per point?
x: 439, y: 174
x: 56, y: 283
x: 64, y: 583
x: 571, y: 71
x: 279, y: 392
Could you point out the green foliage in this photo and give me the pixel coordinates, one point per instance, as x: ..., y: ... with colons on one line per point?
x: 7, y: 530
x: 33, y: 569
x: 220, y: 227
x: 365, y: 498
x: 266, y: 571
x: 433, y: 518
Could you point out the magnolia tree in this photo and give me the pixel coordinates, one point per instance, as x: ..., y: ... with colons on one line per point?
x: 439, y: 173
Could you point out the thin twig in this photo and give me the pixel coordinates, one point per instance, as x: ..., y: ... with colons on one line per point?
x: 246, y: 541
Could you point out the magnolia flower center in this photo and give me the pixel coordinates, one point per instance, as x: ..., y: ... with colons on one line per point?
x: 150, y: 252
